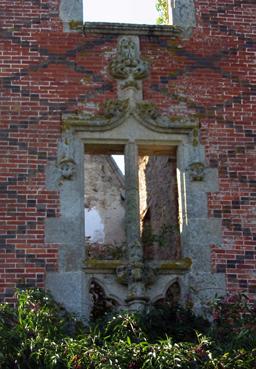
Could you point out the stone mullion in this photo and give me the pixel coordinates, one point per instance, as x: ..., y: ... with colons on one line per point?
x: 132, y: 199
x: 136, y: 286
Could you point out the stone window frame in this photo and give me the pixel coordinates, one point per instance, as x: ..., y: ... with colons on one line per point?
x: 197, y: 231
x: 135, y: 256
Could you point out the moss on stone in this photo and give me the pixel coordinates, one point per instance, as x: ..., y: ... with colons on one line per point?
x: 75, y: 25
x: 195, y: 136
x: 181, y: 264
x: 103, y: 264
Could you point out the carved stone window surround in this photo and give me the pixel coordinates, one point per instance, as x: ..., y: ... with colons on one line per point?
x: 132, y: 123
x: 132, y: 133
x: 196, y: 230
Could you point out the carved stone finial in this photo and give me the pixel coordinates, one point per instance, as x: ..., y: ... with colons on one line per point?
x: 127, y: 66
x: 196, y: 171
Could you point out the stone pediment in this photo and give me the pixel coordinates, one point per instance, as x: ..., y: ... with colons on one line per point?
x: 129, y: 70
x: 116, y: 112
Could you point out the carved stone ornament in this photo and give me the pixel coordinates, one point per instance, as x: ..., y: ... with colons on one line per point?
x: 129, y: 70
x: 196, y: 171
x: 66, y: 163
x: 135, y: 272
x: 151, y: 117
x: 114, y: 109
x: 127, y: 65
x: 114, y: 112
x: 67, y: 168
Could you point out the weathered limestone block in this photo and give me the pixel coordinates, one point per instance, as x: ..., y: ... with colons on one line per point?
x: 183, y: 13
x: 71, y: 13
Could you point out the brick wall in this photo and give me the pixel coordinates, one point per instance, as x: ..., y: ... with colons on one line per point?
x: 45, y: 71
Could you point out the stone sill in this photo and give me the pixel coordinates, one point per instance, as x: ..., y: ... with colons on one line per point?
x: 103, y: 264
x: 180, y: 265
x: 131, y: 29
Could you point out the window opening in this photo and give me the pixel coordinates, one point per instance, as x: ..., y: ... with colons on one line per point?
x: 101, y: 304
x: 119, y: 159
x: 104, y: 207
x: 107, y: 203
x: 159, y: 206
x: 131, y: 219
x: 121, y: 11
x: 172, y: 296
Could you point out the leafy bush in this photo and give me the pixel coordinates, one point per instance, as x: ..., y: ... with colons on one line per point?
x: 33, y: 329
x: 39, y: 334
x: 174, y: 321
x: 234, y: 322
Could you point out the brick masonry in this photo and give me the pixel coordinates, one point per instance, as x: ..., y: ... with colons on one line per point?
x: 45, y: 71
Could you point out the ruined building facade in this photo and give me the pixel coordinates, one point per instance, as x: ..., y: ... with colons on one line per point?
x: 179, y: 103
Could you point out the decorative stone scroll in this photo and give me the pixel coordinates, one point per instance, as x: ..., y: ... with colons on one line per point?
x: 115, y: 109
x: 114, y: 112
x: 150, y: 116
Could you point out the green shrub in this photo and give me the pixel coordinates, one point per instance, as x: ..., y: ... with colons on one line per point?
x: 174, y: 321
x: 31, y: 333
x: 234, y: 322
x: 40, y: 334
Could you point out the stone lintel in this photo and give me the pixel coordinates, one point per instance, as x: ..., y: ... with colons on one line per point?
x: 132, y: 29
